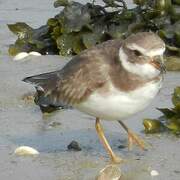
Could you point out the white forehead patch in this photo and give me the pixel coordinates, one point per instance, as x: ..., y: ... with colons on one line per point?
x: 145, y: 70
x: 150, y: 53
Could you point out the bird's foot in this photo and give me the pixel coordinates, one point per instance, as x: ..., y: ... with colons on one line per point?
x: 135, y: 139
x: 116, y: 159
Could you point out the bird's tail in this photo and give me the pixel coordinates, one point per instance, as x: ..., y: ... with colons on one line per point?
x: 45, y: 85
x: 44, y: 81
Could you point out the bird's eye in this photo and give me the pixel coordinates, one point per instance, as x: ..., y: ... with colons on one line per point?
x: 137, y: 53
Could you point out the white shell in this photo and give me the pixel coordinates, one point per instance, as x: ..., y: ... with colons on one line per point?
x: 34, y: 53
x: 25, y: 150
x: 20, y: 56
x: 154, y: 173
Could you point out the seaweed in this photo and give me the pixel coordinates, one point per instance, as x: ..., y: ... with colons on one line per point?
x: 170, y: 121
x: 79, y: 26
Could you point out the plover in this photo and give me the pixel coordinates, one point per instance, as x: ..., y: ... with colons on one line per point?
x: 110, y: 81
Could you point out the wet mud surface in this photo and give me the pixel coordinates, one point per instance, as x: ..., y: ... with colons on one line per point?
x: 22, y: 122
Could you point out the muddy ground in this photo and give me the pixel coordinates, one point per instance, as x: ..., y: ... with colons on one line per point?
x: 22, y: 122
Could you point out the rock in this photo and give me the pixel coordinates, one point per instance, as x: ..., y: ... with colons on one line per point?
x: 110, y: 172
x: 25, y: 150
x: 74, y: 145
x: 122, y: 146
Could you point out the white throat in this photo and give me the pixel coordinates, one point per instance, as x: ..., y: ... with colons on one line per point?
x: 145, y: 70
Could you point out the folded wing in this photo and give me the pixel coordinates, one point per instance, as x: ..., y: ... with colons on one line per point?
x: 72, y: 84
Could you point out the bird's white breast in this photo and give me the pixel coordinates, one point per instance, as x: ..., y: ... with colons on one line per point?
x: 118, y: 105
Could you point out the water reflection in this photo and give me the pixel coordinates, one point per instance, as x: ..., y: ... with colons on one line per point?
x: 131, y: 169
x: 109, y: 172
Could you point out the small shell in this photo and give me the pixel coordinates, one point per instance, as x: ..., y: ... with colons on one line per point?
x: 154, y: 173
x: 25, y: 150
x: 34, y: 53
x: 20, y: 56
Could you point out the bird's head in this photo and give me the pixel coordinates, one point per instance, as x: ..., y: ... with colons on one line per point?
x: 142, y: 54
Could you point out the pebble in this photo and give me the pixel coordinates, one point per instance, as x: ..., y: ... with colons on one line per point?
x: 25, y: 150
x: 74, y: 145
x: 121, y: 146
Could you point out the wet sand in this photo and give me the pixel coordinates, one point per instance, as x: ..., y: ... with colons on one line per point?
x: 22, y: 122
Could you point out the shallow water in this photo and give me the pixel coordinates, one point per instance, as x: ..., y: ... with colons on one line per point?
x: 22, y: 122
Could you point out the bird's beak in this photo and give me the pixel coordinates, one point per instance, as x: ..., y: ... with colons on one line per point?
x: 158, y: 63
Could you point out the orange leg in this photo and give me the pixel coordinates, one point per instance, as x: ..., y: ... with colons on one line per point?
x: 100, y: 132
x: 133, y: 138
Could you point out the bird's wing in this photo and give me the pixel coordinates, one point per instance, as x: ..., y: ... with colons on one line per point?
x: 81, y: 77
x: 75, y: 82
